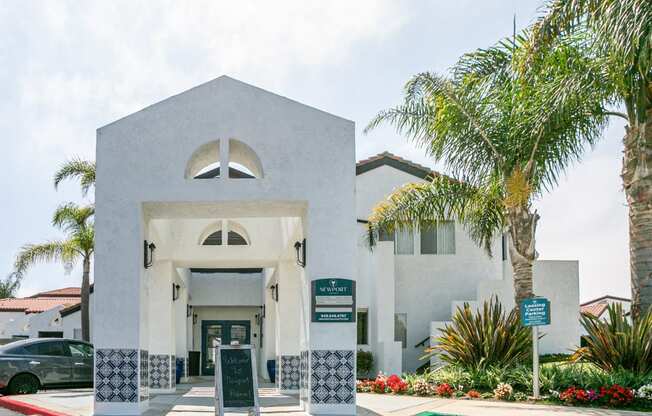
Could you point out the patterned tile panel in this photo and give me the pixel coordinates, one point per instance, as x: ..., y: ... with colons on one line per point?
x: 332, y: 377
x: 303, y: 375
x: 116, y: 375
x: 159, y: 371
x: 173, y: 376
x: 144, y: 375
x: 290, y: 372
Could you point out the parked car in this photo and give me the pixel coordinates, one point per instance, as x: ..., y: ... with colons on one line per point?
x: 30, y: 364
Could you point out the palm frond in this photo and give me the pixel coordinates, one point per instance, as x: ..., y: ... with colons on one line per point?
x: 480, y: 210
x: 71, y: 217
x: 57, y: 250
x: 77, y: 168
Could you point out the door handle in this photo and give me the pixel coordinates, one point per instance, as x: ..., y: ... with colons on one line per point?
x: 35, y: 362
x: 79, y: 363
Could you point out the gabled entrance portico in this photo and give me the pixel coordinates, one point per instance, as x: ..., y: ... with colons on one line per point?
x: 153, y: 186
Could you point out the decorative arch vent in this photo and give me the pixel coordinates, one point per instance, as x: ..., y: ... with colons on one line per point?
x: 213, y: 235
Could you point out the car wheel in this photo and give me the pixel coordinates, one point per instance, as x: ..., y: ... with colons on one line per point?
x: 23, y: 384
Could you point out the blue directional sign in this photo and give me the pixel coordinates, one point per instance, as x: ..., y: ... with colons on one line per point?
x: 535, y: 312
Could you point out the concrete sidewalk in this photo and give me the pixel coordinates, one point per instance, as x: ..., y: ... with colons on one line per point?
x: 197, y: 400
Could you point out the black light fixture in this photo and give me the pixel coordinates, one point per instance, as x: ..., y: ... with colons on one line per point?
x: 188, y: 311
x: 274, y: 290
x: 148, y: 253
x: 194, y: 319
x: 300, y: 247
x: 175, y: 291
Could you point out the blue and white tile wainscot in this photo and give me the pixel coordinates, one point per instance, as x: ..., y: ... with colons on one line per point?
x: 332, y: 377
x: 290, y: 375
x: 161, y: 373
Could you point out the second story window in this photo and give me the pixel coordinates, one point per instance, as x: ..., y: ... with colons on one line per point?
x: 439, y: 238
x: 404, y: 242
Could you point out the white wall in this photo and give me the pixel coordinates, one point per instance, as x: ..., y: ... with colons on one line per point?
x: 236, y: 289
x: 558, y: 281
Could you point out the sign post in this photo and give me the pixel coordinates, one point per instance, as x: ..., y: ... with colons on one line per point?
x: 236, y: 380
x: 333, y: 300
x: 534, y: 313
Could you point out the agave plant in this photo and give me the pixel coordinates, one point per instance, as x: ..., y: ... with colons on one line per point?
x: 617, y: 344
x: 486, y: 338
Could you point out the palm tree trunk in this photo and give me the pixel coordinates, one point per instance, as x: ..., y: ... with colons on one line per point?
x: 522, y: 229
x: 637, y: 182
x: 85, y: 297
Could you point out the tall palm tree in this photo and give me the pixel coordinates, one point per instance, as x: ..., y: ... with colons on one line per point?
x: 77, y: 168
x: 504, y: 138
x: 76, y: 222
x: 621, y: 38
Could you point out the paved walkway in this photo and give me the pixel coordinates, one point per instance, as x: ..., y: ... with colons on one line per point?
x: 197, y: 400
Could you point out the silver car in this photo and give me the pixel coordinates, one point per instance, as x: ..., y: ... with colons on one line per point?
x: 31, y: 364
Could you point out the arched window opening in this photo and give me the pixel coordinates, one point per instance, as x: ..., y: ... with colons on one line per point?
x: 243, y: 160
x: 204, y: 162
x: 236, y: 239
x: 214, y: 239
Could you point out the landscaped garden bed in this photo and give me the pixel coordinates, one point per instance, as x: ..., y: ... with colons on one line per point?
x: 566, y: 384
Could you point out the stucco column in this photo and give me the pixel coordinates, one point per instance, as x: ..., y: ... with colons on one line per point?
x: 161, y: 329
x: 120, y: 330
x: 180, y: 331
x: 330, y: 230
x: 287, y: 327
x: 389, y: 353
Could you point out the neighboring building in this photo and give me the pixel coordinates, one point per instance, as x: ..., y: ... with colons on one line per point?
x: 598, y: 307
x: 46, y: 314
x: 188, y: 253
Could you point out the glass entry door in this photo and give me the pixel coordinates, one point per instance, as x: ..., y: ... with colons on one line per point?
x: 226, y: 331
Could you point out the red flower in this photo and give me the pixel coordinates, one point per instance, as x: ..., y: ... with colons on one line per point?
x: 396, y: 384
x: 444, y: 390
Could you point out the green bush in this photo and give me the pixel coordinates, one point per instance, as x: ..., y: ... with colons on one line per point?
x: 364, y: 363
x: 555, y: 358
x: 487, y: 338
x: 616, y: 344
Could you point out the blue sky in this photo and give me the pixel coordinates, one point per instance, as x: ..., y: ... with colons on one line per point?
x: 69, y: 67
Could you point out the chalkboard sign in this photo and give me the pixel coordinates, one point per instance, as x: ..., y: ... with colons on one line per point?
x: 236, y: 381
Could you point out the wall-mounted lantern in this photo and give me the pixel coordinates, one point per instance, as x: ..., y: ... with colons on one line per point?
x: 300, y: 247
x: 148, y: 253
x: 175, y: 291
x: 274, y: 290
x: 188, y: 311
x: 194, y: 319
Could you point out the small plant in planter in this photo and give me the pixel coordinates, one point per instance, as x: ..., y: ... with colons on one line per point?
x: 503, y: 391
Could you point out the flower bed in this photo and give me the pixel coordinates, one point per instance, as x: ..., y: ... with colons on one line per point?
x: 613, y: 395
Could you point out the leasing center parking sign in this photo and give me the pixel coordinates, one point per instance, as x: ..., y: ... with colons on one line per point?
x: 333, y: 300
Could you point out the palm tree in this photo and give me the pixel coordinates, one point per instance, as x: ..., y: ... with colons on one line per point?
x: 76, y: 222
x: 621, y: 38
x: 9, y: 286
x: 503, y: 136
x: 77, y: 168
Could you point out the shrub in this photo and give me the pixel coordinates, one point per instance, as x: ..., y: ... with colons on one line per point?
x: 422, y: 388
x: 364, y: 363
x: 615, y: 344
x: 616, y: 395
x: 473, y: 394
x: 645, y: 392
x: 503, y: 391
x: 520, y: 396
x: 444, y: 390
x: 486, y: 338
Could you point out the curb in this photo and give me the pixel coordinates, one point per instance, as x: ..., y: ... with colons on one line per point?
x: 27, y: 408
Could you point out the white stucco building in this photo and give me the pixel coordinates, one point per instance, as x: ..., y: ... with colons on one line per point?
x: 186, y: 254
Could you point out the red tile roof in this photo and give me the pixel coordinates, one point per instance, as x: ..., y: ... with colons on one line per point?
x: 66, y: 292
x: 34, y: 305
x: 595, y: 309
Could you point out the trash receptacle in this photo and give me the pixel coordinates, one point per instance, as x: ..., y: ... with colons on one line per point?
x: 179, y: 365
x: 271, y: 370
